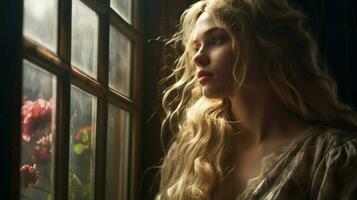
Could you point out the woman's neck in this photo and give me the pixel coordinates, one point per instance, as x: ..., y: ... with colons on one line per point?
x: 265, y: 119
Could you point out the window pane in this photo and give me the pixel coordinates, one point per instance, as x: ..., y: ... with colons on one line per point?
x: 117, y: 153
x: 84, y: 38
x: 123, y: 8
x: 82, y: 148
x: 37, y: 131
x: 119, y: 62
x: 40, y: 22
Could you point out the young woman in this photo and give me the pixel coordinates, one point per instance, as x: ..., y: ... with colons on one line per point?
x: 253, y: 115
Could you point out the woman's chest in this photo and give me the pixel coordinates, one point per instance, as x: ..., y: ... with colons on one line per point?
x: 237, y: 178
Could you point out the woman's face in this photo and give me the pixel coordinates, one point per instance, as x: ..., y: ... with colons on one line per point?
x: 214, y: 58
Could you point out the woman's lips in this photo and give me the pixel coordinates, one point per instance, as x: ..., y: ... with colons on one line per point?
x: 204, y: 76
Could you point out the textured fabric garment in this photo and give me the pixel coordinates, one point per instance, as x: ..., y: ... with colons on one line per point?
x: 321, y: 164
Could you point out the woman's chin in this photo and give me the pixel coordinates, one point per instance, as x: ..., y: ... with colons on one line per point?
x: 210, y: 93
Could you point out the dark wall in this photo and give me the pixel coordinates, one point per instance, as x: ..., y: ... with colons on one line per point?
x: 334, y: 26
x: 160, y: 19
x: 10, y: 96
x: 332, y: 23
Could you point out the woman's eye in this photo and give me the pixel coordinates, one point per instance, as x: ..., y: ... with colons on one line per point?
x: 217, y: 41
x: 196, y: 47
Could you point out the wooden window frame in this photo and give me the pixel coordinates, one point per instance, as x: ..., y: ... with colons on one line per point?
x: 59, y: 64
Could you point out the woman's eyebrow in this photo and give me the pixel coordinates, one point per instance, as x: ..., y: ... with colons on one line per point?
x: 210, y: 32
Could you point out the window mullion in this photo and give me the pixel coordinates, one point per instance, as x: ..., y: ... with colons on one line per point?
x: 63, y: 103
x: 100, y: 149
x: 64, y: 30
x: 62, y: 138
x: 103, y: 47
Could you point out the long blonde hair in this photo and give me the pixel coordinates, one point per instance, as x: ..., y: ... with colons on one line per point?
x: 201, y: 128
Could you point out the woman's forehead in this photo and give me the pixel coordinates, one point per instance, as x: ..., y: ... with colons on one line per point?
x: 205, y: 25
x: 205, y: 19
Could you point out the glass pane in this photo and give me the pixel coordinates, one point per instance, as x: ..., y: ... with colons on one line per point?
x: 82, y: 148
x: 117, y: 153
x: 40, y: 22
x: 37, y: 131
x: 119, y: 62
x: 84, y: 38
x: 123, y: 8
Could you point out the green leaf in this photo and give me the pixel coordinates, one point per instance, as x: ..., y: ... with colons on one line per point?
x: 86, y: 189
x: 85, y: 136
x: 79, y: 148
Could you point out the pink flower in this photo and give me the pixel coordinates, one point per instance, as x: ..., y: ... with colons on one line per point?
x: 83, y: 135
x: 35, y: 115
x: 42, y: 152
x: 78, y: 136
x: 45, y: 140
x: 29, y: 175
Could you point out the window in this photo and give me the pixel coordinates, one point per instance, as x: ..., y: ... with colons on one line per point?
x: 81, y: 99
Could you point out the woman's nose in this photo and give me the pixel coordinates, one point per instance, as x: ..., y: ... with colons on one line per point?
x: 200, y: 59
